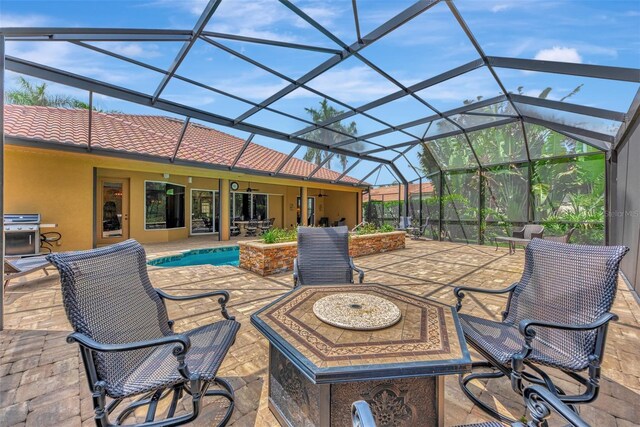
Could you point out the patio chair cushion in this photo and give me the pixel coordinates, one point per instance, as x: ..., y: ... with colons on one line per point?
x: 209, y: 345
x: 503, y: 340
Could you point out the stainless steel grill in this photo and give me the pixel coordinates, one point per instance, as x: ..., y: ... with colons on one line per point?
x: 22, y: 234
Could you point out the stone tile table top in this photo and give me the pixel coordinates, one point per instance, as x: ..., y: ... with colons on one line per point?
x: 426, y: 341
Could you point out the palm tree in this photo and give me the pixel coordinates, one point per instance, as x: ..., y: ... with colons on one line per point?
x: 36, y: 94
x: 326, y: 136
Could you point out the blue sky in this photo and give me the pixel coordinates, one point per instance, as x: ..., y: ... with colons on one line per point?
x: 584, y: 31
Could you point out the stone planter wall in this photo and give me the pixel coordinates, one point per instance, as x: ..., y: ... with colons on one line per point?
x: 267, y: 259
x: 376, y: 243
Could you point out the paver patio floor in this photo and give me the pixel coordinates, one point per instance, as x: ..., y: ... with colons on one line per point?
x: 42, y: 383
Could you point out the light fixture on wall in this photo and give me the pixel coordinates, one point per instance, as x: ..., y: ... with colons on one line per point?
x: 190, y: 180
x: 165, y: 175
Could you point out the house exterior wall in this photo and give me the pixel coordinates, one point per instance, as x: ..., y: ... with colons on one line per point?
x: 60, y: 186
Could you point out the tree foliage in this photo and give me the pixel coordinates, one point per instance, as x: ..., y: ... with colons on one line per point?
x: 326, y: 136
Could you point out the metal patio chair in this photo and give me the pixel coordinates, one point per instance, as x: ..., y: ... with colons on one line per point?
x: 127, y: 342
x: 323, y: 257
x: 540, y: 403
x: 556, y: 316
x: 361, y: 415
x: 252, y: 228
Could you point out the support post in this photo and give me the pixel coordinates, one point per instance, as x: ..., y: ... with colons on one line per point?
x: 2, y: 176
x: 225, y: 220
x: 304, y: 212
x: 480, y: 207
x: 440, y: 210
x: 420, y: 201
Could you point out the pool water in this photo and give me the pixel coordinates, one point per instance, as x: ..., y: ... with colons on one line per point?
x: 228, y: 255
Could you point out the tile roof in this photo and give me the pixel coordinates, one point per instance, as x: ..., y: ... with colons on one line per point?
x: 150, y: 135
x: 391, y: 192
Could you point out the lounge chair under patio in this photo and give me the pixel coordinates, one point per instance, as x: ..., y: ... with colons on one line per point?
x: 556, y: 316
x: 127, y: 342
x: 18, y: 267
x: 323, y: 257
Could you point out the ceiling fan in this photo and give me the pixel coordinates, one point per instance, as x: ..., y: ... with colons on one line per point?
x: 322, y: 195
x: 250, y: 190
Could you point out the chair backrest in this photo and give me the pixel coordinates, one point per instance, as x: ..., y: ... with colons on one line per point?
x: 107, y: 296
x: 323, y: 255
x: 405, y: 221
x: 565, y: 283
x: 530, y: 229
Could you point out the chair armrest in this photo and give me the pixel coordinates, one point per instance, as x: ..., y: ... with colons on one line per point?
x: 525, y: 325
x: 296, y: 273
x: 361, y: 415
x: 360, y: 272
x: 224, y: 298
x: 539, y: 399
x: 518, y: 233
x: 183, y: 341
x: 459, y: 292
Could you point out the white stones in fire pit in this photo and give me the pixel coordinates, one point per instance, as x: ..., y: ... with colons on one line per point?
x: 356, y: 311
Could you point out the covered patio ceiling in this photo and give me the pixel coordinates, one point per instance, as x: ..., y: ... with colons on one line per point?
x: 406, y: 123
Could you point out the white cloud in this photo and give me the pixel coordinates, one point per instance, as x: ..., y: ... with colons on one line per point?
x: 11, y: 20
x: 559, y: 54
x: 135, y: 50
x: 353, y: 85
x: 500, y: 7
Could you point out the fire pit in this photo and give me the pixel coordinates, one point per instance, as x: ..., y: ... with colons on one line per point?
x: 361, y: 312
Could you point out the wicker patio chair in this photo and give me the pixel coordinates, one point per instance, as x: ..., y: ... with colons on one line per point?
x: 561, y: 239
x: 323, y: 257
x: 521, y: 237
x: 540, y: 403
x: 556, y: 316
x: 127, y: 342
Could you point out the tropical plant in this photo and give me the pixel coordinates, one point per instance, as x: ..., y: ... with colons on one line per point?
x: 29, y: 93
x: 279, y: 235
x: 565, y: 192
x: 329, y: 135
x: 38, y: 94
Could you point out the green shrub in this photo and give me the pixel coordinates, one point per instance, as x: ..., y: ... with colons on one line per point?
x: 279, y: 235
x: 369, y: 228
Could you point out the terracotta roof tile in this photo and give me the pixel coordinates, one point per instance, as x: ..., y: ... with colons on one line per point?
x: 150, y: 135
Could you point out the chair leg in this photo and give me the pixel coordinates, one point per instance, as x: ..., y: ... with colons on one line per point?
x: 465, y: 379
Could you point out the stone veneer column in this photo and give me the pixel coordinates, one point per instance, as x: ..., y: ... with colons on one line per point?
x: 304, y: 214
x: 225, y: 222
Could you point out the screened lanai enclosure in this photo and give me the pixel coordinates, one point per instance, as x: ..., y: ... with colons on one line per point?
x: 434, y: 93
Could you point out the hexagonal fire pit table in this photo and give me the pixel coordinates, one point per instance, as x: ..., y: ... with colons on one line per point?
x: 317, y: 369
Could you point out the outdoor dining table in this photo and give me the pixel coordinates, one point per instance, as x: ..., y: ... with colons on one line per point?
x: 317, y: 370
x: 512, y: 241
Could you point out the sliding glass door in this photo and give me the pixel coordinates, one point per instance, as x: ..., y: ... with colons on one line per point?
x: 248, y: 206
x: 203, y: 211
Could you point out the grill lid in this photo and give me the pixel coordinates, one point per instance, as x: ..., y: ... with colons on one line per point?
x: 22, y: 218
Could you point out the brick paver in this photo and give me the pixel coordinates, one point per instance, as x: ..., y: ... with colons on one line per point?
x: 42, y: 381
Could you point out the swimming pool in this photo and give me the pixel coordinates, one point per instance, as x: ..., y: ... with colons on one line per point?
x: 227, y: 255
